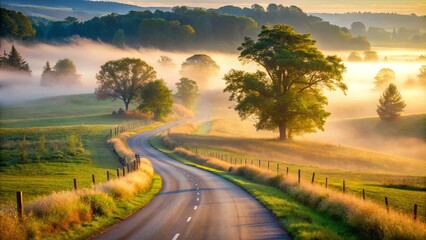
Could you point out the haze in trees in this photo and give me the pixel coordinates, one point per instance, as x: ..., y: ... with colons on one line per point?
x: 166, y: 61
x: 358, y: 29
x: 354, y: 57
x: 123, y: 79
x: 201, y: 68
x: 383, y: 78
x: 157, y: 99
x: 391, y: 104
x: 289, y: 96
x: 371, y: 56
x: 14, y: 61
x: 187, y: 91
x: 119, y: 39
x: 63, y: 73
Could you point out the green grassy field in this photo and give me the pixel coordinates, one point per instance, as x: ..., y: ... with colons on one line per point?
x: 55, y: 118
x: 401, y: 179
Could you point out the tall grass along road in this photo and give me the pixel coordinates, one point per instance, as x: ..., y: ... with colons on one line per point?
x: 194, y: 204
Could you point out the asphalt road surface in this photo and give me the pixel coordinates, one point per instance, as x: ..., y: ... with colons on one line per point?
x: 193, y: 204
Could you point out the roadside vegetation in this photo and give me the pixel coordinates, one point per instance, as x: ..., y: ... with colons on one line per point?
x: 365, y: 218
x: 62, y: 211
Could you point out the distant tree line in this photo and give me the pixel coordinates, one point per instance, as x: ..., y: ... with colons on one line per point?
x: 185, y: 28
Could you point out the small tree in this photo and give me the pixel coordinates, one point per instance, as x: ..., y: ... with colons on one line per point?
x: 119, y: 38
x: 156, y: 98
x: 201, y: 68
x: 42, y: 144
x: 14, y: 61
x: 63, y: 73
x: 390, y: 104
x: 22, y: 150
x: 383, y: 78
x: 74, y: 144
x: 166, y: 61
x: 187, y: 90
x: 354, y: 57
x: 371, y: 56
x: 123, y: 79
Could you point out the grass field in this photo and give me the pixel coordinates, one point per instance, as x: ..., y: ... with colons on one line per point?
x: 56, y: 118
x: 401, y: 179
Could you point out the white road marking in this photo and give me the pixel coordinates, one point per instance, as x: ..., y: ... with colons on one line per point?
x: 195, y: 208
x: 195, y: 184
x: 198, y: 199
x: 176, y: 236
x: 198, y: 193
x: 189, y: 219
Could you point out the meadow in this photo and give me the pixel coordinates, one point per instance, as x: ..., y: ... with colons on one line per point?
x: 401, y: 179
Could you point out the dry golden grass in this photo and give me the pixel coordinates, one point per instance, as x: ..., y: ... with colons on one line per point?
x: 60, y: 211
x: 182, y: 111
x: 367, y: 218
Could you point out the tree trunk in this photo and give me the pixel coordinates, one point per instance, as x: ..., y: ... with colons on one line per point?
x: 283, y: 132
x: 126, y: 104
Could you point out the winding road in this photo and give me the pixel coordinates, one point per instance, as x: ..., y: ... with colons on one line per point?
x: 193, y: 204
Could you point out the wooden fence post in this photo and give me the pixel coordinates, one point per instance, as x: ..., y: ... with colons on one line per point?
x: 20, y: 205
x: 298, y: 176
x: 326, y: 183
x: 128, y: 168
x: 363, y: 193
x: 75, y: 184
x: 387, y: 204
x: 278, y: 168
x: 118, y: 173
x: 259, y: 162
x: 313, y: 178
x: 268, y: 164
x: 124, y: 171
x: 415, y: 212
x: 287, y: 171
x: 344, y: 186
x: 93, y: 179
x: 107, y: 176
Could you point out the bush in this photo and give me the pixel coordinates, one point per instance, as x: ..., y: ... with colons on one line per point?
x: 100, y: 203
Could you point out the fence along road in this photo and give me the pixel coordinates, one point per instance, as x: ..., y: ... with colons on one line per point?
x: 193, y: 204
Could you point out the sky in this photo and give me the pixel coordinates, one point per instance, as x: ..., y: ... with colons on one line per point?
x: 311, y: 6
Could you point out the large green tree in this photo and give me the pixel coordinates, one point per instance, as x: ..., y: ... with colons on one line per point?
x: 383, y: 78
x: 156, y: 98
x: 391, y: 104
x: 288, y: 96
x: 187, y: 90
x: 123, y: 79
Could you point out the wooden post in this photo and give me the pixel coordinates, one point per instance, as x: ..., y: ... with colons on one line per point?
x: 110, y: 133
x: 387, y: 204
x: 124, y: 171
x: 20, y: 205
x: 278, y: 168
x: 93, y: 179
x: 313, y: 178
x: 363, y: 193
x: 326, y: 183
x: 344, y: 186
x: 298, y: 176
x: 75, y: 184
x: 287, y: 171
x: 107, y: 176
x: 252, y: 162
x: 128, y: 168
x: 268, y: 165
x: 259, y: 162
x: 118, y: 172
x: 196, y: 151
x: 245, y: 161
x: 415, y: 212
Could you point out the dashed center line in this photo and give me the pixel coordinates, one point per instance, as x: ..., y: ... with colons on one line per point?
x: 195, y: 208
x: 189, y: 219
x: 176, y: 236
x: 198, y: 199
x: 198, y: 193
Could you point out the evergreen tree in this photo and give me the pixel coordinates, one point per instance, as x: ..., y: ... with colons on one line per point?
x: 14, y: 60
x: 47, y: 68
x: 390, y: 104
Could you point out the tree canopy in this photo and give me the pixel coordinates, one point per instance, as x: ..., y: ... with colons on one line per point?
x: 289, y: 95
x: 14, y: 61
x: 63, y: 73
x: 390, y: 104
x: 187, y: 90
x: 156, y: 98
x: 383, y: 78
x: 123, y: 79
x: 201, y: 68
x: 15, y: 25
